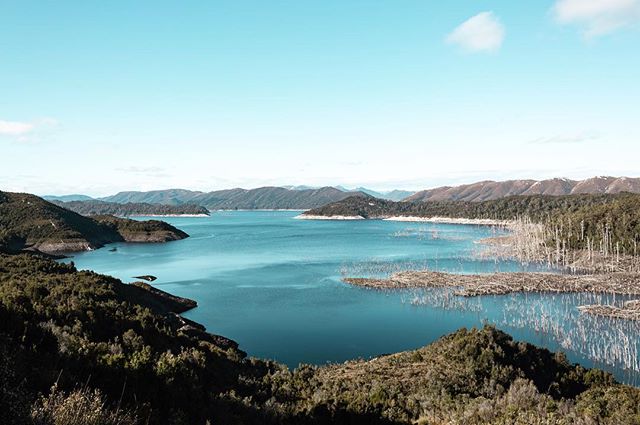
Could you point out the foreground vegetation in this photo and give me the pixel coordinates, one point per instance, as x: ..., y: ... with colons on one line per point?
x: 79, y: 347
x: 29, y: 222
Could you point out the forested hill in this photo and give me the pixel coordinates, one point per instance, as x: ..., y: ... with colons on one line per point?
x: 537, y: 207
x: 94, y: 207
x: 29, y: 222
x: 607, y: 223
x: 83, y: 348
x: 260, y: 198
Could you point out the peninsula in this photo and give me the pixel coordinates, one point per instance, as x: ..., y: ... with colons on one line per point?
x: 28, y: 222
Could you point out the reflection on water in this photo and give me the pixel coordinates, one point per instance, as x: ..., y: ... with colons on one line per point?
x: 555, y: 319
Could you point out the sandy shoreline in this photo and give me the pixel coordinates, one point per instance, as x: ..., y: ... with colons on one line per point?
x: 329, y: 217
x: 263, y: 209
x: 442, y: 220
x: 451, y: 220
x: 168, y: 215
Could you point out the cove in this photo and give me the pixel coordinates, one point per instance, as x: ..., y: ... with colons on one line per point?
x: 273, y: 284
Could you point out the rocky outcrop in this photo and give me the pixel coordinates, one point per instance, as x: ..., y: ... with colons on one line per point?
x: 157, y: 299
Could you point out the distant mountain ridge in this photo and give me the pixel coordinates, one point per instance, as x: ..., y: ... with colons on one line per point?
x: 67, y: 198
x: 260, y: 198
x: 306, y: 197
x: 489, y: 190
x: 164, y: 197
x: 390, y: 195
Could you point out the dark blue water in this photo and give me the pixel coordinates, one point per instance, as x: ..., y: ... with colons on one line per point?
x: 273, y: 284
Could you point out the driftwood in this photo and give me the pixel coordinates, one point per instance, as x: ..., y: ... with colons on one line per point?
x: 630, y: 310
x: 505, y: 283
x: 621, y: 283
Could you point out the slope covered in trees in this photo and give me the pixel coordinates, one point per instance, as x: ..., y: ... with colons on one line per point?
x: 93, y: 207
x: 537, y: 207
x: 603, y: 226
x: 29, y: 222
x: 79, y: 347
x: 260, y: 198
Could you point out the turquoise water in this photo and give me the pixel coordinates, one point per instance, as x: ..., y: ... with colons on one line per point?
x: 273, y: 284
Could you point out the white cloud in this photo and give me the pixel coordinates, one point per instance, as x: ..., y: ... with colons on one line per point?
x: 598, y: 16
x: 583, y: 137
x: 24, y: 131
x: 15, y: 128
x: 145, y: 171
x: 482, y: 32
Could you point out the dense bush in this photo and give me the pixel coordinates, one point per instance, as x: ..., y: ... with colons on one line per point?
x: 29, y: 222
x: 94, y: 207
x: 605, y: 223
x: 112, y: 356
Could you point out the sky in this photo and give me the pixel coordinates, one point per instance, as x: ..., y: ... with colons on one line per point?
x: 102, y: 96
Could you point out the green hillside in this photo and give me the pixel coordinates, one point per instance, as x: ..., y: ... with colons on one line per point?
x: 536, y: 207
x: 604, y: 223
x: 268, y: 197
x: 95, y: 207
x: 29, y: 222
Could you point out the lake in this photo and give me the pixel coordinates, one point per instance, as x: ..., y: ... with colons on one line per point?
x: 273, y: 284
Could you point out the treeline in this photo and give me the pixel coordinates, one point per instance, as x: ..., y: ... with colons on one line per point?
x: 82, y: 348
x: 537, y: 207
x: 94, y: 207
x: 606, y: 226
x: 612, y: 227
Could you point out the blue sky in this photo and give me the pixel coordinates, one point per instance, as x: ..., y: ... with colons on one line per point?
x: 97, y: 97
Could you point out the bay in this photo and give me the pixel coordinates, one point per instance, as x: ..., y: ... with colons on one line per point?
x: 273, y: 284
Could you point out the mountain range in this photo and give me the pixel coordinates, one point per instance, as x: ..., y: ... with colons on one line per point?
x: 306, y: 197
x: 260, y: 198
x: 67, y: 198
x: 488, y: 190
x: 391, y: 195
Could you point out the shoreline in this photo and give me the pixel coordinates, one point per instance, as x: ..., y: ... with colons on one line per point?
x: 503, y: 283
x: 329, y: 217
x: 262, y: 209
x: 413, y: 219
x: 452, y: 220
x: 168, y: 215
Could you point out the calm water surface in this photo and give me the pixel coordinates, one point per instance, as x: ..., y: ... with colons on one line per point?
x: 273, y: 284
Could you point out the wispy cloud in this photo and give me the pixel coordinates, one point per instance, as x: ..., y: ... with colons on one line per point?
x: 15, y: 128
x: 145, y: 171
x: 22, y: 131
x: 598, y: 17
x: 482, y: 32
x: 566, y: 139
